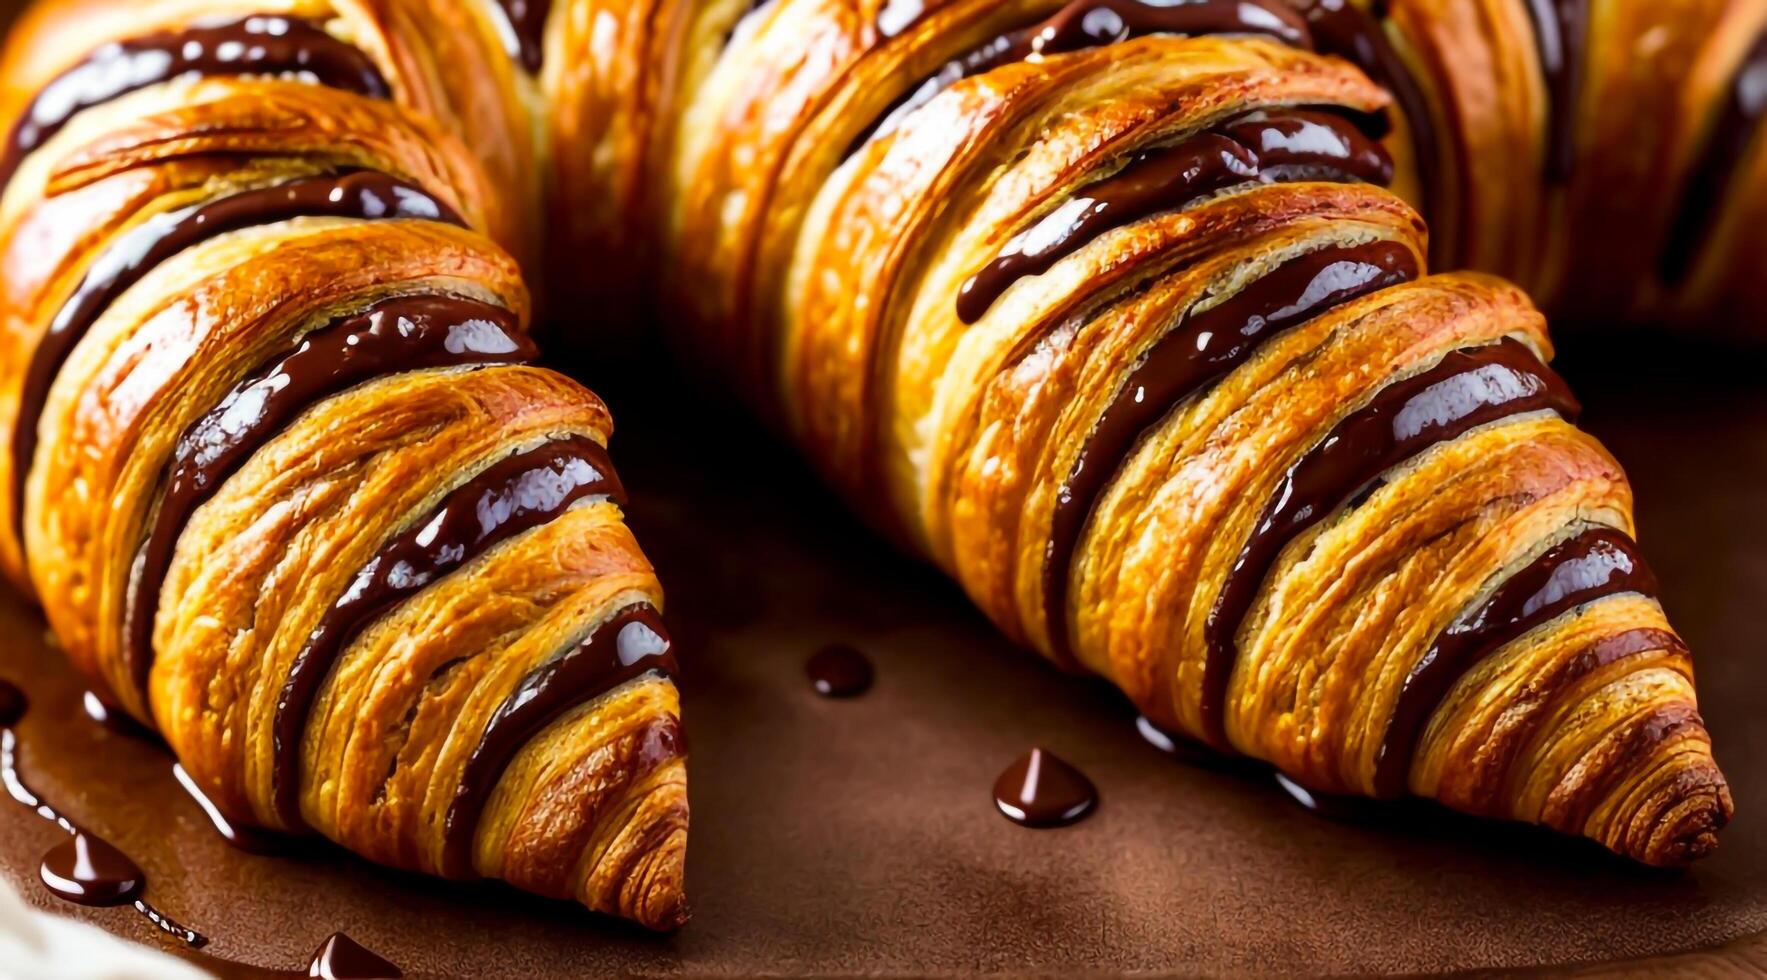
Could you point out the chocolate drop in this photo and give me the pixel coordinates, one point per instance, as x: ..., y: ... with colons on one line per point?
x: 839, y: 671
x: 1043, y: 790
x: 87, y: 870
x: 343, y: 958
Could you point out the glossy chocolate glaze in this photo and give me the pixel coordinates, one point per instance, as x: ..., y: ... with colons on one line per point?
x: 1358, y: 35
x: 1097, y: 23
x: 1718, y: 166
x: 1260, y: 147
x: 402, y: 333
x: 82, y: 868
x: 343, y: 958
x: 512, y: 495
x: 357, y: 194
x: 1596, y: 563
x: 839, y: 670
x: 87, y: 871
x: 1560, y: 28
x: 632, y: 642
x: 1041, y: 789
x: 258, y: 45
x: 527, y: 30
x: 1200, y: 349
x: 1467, y: 389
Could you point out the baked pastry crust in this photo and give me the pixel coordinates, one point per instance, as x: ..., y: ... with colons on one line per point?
x: 1461, y: 615
x: 395, y: 601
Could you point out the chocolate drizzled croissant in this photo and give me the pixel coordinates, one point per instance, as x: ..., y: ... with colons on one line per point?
x: 1126, y: 331
x: 276, y: 460
x: 1604, y: 155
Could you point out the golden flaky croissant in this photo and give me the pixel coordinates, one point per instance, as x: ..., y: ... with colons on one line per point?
x: 1105, y: 308
x: 276, y: 462
x: 1603, y: 154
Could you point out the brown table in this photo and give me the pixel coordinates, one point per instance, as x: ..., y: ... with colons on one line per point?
x: 859, y: 836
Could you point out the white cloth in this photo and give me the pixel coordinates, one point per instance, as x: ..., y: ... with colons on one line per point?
x: 38, y: 946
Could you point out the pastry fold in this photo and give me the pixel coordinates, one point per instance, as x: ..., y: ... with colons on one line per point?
x: 1130, y: 335
x: 277, y: 462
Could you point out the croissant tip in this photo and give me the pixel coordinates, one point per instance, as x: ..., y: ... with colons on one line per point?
x: 1688, y: 831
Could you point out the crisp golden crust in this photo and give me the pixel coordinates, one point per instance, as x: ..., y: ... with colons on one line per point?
x: 593, y: 806
x: 963, y: 438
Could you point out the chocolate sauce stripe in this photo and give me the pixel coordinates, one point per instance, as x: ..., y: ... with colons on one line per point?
x: 1264, y: 145
x: 1086, y: 24
x: 1734, y: 132
x: 132, y: 255
x: 526, y: 23
x: 400, y: 333
x: 507, y: 497
x: 1192, y: 356
x: 1342, y: 28
x: 1465, y: 390
x: 262, y: 44
x: 1595, y: 656
x: 1596, y: 563
x: 626, y: 645
x: 1559, y: 33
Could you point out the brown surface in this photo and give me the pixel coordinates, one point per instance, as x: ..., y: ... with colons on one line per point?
x: 849, y: 836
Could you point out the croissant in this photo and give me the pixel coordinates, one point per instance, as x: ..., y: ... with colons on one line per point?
x: 1108, y: 310
x: 278, y: 463
x: 1600, y: 153
x: 1603, y: 154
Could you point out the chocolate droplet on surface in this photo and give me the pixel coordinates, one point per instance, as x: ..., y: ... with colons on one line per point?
x: 1043, y: 790
x: 839, y: 671
x: 12, y: 704
x: 87, y: 870
x: 343, y: 958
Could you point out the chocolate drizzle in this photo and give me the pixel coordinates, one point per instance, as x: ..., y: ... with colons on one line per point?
x: 1718, y: 166
x: 526, y: 20
x: 397, y: 334
x: 1094, y: 24
x: 628, y: 644
x: 1043, y: 790
x: 88, y: 870
x: 1342, y: 28
x: 358, y: 194
x: 1560, y: 27
x: 1260, y: 147
x: 258, y: 45
x: 1467, y: 389
x: 510, y: 496
x: 1596, y: 563
x: 82, y: 868
x: 1200, y: 349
